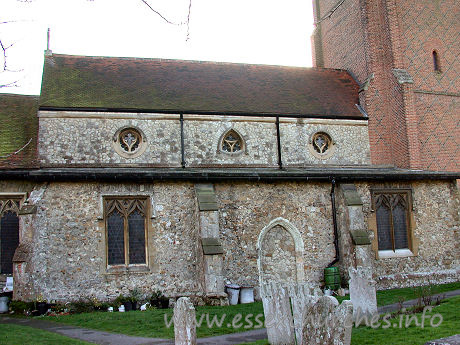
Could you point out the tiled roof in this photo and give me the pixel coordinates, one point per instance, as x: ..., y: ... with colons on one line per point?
x: 177, y: 85
x: 18, y: 131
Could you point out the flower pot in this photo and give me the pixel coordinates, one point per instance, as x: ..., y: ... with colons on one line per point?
x: 134, y: 305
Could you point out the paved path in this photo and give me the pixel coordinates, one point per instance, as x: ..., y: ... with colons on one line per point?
x: 106, y: 338
x: 89, y: 335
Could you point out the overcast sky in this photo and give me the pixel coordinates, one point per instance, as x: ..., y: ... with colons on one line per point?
x: 248, y: 31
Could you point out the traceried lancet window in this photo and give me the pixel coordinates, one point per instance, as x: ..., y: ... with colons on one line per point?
x: 232, y: 142
x: 126, y: 228
x: 392, y: 212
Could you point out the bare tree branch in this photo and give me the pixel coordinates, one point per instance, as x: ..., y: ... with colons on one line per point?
x: 17, y: 151
x: 188, y: 20
x: 4, y: 54
x: 167, y: 21
x: 12, y: 84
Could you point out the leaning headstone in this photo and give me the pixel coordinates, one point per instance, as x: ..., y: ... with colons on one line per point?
x: 328, y: 323
x: 302, y: 295
x: 362, y: 291
x: 184, y: 322
x: 278, y: 316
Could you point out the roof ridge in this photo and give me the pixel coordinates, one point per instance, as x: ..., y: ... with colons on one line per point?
x: 132, y: 58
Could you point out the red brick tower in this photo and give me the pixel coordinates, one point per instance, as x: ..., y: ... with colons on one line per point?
x: 406, y: 56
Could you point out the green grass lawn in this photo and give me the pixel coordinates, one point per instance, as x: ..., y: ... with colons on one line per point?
x: 14, y: 335
x: 449, y: 309
x: 385, y: 297
x: 152, y: 323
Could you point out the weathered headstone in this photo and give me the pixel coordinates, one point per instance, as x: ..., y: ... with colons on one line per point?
x: 328, y: 323
x: 293, y: 309
x: 184, y: 322
x: 302, y: 295
x: 362, y: 291
x: 284, y: 308
x: 278, y: 316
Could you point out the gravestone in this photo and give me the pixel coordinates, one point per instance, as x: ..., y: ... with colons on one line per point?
x: 362, y: 291
x: 184, y: 322
x: 328, y: 323
x: 293, y: 309
x: 278, y: 316
x: 302, y: 295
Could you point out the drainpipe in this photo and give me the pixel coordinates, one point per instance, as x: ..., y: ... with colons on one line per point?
x: 182, y: 148
x: 334, y: 222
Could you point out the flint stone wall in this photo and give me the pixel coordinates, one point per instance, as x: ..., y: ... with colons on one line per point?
x: 68, y: 235
x: 81, y: 138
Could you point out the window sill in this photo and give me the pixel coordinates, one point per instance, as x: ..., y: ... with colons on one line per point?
x: 399, y: 253
x: 137, y: 269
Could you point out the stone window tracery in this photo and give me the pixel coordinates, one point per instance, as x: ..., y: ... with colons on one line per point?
x: 231, y: 142
x: 129, y: 142
x: 321, y: 142
x: 126, y: 230
x: 321, y: 145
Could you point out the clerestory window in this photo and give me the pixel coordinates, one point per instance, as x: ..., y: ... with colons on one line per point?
x: 231, y: 142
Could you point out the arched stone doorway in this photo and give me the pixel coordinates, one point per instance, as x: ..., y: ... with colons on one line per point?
x: 280, y: 249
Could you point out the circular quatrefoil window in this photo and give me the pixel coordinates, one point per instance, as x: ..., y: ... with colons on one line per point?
x: 321, y: 145
x: 129, y: 142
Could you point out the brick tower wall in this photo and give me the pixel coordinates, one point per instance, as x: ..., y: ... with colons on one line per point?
x: 426, y: 26
x: 411, y: 125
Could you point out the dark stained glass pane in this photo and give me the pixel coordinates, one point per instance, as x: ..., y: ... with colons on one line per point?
x: 384, y: 227
x: 400, y: 227
x: 9, y: 238
x: 115, y: 239
x: 136, y: 228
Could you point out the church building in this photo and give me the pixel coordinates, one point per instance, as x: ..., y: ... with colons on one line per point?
x: 185, y: 176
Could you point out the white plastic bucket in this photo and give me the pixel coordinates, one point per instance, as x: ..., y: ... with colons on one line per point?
x: 246, y: 294
x: 233, y: 292
x: 4, y: 304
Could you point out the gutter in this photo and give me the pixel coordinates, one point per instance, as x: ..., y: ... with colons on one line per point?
x: 201, y: 112
x: 139, y: 174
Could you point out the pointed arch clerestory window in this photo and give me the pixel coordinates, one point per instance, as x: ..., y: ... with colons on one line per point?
x: 231, y: 142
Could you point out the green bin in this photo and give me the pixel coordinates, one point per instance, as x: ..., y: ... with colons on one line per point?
x: 332, y: 278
